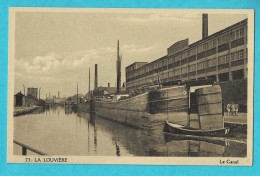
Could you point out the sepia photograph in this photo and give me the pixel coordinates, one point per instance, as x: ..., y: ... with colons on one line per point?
x: 130, y: 86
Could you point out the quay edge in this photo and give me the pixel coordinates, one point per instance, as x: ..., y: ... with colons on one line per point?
x: 27, y: 110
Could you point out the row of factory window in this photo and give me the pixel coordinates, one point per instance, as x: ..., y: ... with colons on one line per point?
x: 171, y: 62
x: 234, y: 56
x: 237, y: 55
x: 207, y: 46
x: 235, y: 75
x: 233, y: 35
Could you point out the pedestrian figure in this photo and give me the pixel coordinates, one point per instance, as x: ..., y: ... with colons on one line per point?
x: 236, y: 109
x: 228, y: 109
x: 233, y: 108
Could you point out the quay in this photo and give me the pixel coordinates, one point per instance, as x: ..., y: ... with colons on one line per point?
x: 236, y: 123
x: 26, y: 110
x: 241, y: 118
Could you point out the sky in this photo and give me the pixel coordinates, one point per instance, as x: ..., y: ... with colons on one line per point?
x: 54, y: 50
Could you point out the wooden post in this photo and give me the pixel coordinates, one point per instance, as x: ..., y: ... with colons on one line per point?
x: 199, y: 121
x: 24, y: 150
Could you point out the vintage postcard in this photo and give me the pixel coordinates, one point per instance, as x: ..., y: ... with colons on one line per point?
x: 130, y: 86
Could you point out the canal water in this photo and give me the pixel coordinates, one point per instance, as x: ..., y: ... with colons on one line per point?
x: 60, y: 131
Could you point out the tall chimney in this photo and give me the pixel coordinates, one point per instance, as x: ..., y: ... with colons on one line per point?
x: 96, y: 77
x: 89, y: 79
x: 23, y: 90
x: 204, y: 25
x: 58, y: 94
x: 118, y: 69
x: 108, y: 85
x: 77, y: 94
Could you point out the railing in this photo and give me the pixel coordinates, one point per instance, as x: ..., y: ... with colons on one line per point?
x: 26, y: 147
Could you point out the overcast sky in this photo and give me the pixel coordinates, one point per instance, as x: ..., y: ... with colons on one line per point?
x: 54, y: 50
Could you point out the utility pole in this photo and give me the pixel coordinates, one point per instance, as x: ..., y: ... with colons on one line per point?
x: 39, y: 93
x: 118, y: 68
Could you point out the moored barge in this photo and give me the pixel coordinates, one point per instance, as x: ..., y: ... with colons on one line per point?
x: 194, y: 106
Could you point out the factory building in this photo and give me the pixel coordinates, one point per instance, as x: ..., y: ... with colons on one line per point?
x: 221, y: 56
x: 33, y: 92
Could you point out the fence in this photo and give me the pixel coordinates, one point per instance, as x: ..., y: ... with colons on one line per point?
x: 26, y: 147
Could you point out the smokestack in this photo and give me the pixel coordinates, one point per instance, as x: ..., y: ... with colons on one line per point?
x: 118, y: 69
x: 96, y: 77
x: 108, y: 85
x: 58, y: 94
x: 77, y: 94
x: 89, y: 80
x: 204, y: 25
x: 23, y: 90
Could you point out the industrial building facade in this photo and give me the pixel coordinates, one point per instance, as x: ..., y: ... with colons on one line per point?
x: 221, y: 56
x: 33, y: 92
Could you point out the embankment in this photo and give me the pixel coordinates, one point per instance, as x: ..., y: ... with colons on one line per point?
x: 26, y: 110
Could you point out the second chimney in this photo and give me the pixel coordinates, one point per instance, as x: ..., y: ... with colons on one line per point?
x: 96, y: 77
x: 204, y: 25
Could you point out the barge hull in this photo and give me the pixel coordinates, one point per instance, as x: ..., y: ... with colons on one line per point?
x: 153, y: 108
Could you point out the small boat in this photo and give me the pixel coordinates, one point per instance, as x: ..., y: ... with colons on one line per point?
x: 180, y: 129
x: 169, y: 137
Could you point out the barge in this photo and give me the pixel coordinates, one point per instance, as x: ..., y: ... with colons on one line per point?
x: 194, y: 106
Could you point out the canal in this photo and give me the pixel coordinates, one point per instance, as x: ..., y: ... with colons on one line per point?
x: 60, y: 131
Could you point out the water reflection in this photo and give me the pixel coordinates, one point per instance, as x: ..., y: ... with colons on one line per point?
x: 91, y: 121
x: 117, y: 150
x: 60, y: 131
x: 68, y: 110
